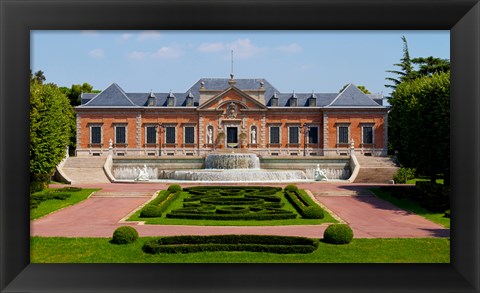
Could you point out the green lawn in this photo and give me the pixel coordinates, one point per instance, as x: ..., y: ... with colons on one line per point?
x: 51, y: 205
x: 99, y: 250
x: 413, y: 207
x: 179, y: 202
x: 414, y: 180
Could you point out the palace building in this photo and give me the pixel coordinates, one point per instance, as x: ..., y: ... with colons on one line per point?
x: 220, y: 113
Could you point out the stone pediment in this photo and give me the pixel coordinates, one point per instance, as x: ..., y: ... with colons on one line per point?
x: 233, y: 101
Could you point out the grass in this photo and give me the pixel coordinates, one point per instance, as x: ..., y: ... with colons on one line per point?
x: 179, y: 202
x: 414, y: 207
x: 51, y: 205
x: 414, y: 180
x: 99, y: 250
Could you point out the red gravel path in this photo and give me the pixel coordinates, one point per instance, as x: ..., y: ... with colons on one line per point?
x: 369, y: 216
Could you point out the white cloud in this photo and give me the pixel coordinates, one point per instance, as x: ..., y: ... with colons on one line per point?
x: 167, y: 53
x: 137, y: 55
x: 148, y: 35
x: 244, y: 49
x: 96, y: 53
x: 126, y: 36
x: 211, y: 47
x: 291, y: 48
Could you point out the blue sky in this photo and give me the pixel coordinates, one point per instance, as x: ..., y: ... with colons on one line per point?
x: 300, y: 61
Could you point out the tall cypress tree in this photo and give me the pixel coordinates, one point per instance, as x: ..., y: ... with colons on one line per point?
x: 406, y: 71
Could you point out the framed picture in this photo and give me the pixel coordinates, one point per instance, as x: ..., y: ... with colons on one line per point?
x: 18, y: 18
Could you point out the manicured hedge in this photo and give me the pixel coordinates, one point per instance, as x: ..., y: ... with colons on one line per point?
x: 151, y: 211
x: 304, y: 205
x: 37, y: 198
x: 174, y: 188
x: 261, y: 215
x: 124, y: 235
x: 338, y: 234
x: 233, y: 210
x: 159, y: 205
x: 232, y: 203
x: 253, y: 243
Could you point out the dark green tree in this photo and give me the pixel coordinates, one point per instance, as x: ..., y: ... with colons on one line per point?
x: 431, y: 65
x: 419, y: 124
x: 406, y: 71
x: 76, y: 90
x: 38, y: 77
x: 360, y: 87
x: 51, y: 124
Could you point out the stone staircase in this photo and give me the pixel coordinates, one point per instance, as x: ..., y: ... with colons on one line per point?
x: 375, y: 169
x: 85, y: 170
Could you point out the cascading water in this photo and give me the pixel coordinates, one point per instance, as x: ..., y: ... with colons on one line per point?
x: 232, y: 161
x: 233, y: 167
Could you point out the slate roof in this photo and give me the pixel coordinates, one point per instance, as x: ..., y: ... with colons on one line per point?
x: 351, y: 96
x: 114, y: 96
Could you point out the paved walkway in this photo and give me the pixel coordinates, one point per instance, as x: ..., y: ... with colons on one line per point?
x: 369, y: 216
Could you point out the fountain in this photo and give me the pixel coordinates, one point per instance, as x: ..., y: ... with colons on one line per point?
x: 232, y: 161
x: 226, y: 166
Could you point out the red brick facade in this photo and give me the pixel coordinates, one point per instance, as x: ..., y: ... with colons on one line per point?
x: 234, y: 112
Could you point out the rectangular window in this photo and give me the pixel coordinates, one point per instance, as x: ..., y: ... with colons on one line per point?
x: 343, y: 134
x: 313, y: 134
x: 170, y: 134
x: 274, y: 102
x: 312, y: 102
x: 293, y: 102
x: 151, y: 134
x: 274, y: 134
x: 189, y: 134
x: 170, y: 101
x: 367, y: 134
x: 120, y: 134
x: 189, y: 101
x: 293, y: 134
x: 96, y: 134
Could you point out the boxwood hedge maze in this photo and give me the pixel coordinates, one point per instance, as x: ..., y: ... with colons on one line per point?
x: 233, y: 203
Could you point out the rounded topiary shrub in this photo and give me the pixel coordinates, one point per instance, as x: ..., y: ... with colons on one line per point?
x: 291, y: 187
x: 174, y: 188
x: 338, y: 234
x: 124, y: 235
x: 314, y: 212
x: 151, y: 211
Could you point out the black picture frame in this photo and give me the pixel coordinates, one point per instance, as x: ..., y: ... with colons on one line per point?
x: 461, y: 17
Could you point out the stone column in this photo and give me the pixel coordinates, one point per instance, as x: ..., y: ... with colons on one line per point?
x: 139, y: 130
x: 325, y: 132
x: 263, y: 131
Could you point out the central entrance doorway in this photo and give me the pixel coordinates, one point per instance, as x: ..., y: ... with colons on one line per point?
x: 232, y: 137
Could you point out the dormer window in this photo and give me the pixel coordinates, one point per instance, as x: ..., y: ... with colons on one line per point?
x: 293, y: 100
x: 189, y: 100
x: 312, y: 101
x: 170, y: 100
x: 151, y: 100
x: 274, y: 101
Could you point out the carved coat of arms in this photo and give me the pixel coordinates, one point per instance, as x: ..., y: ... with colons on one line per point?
x: 232, y: 110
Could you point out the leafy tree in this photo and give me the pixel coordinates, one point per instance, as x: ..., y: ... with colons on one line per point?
x: 51, y: 124
x: 406, y: 71
x: 431, y: 65
x: 360, y: 87
x: 38, y: 77
x: 76, y: 90
x: 419, y: 124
